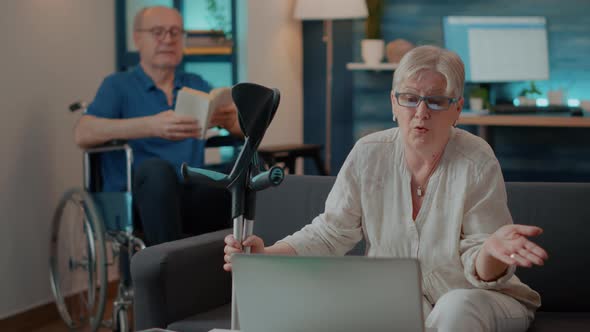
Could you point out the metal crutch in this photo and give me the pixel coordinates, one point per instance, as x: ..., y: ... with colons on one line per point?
x: 256, y: 108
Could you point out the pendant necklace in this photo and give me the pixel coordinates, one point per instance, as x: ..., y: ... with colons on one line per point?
x: 419, y: 188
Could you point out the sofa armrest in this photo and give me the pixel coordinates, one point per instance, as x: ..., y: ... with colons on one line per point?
x: 178, y: 279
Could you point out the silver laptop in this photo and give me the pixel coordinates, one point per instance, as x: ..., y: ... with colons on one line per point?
x: 339, y: 294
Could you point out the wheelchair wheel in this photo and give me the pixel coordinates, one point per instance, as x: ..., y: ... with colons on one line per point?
x: 78, y: 261
x: 121, y: 323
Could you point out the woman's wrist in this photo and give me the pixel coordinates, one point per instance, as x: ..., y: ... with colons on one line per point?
x: 487, y: 267
x: 280, y: 248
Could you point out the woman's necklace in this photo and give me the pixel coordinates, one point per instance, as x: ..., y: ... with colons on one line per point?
x: 420, y: 188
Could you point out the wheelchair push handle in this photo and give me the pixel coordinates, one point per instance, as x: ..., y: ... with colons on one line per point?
x: 204, y: 176
x: 271, y: 178
x: 78, y: 105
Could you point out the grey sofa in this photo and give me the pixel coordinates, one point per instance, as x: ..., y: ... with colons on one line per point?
x: 181, y: 285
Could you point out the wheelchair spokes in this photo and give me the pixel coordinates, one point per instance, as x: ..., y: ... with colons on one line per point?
x: 78, y: 261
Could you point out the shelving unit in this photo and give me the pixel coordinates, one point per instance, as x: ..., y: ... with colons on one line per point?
x: 378, y: 67
x: 221, y: 50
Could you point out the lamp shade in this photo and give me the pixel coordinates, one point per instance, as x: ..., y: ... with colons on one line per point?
x: 330, y: 9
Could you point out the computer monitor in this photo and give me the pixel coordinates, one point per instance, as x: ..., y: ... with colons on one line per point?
x: 499, y: 49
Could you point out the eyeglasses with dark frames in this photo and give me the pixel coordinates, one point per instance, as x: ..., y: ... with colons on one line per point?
x: 159, y: 32
x: 435, y: 103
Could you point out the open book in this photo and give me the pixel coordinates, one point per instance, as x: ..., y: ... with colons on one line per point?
x: 200, y: 105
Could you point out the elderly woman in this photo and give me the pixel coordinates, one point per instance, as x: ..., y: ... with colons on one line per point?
x: 430, y: 191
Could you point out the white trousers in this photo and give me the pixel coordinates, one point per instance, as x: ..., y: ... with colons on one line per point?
x: 477, y: 310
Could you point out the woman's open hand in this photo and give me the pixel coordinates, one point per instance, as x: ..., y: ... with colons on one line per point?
x: 510, y: 245
x: 232, y: 247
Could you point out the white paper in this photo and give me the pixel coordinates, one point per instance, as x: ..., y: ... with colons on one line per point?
x: 194, y: 103
x: 201, y: 105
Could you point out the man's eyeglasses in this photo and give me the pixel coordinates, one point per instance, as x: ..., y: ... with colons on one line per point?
x: 435, y: 103
x: 159, y: 33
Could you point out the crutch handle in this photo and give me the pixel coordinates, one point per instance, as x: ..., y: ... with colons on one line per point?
x: 271, y: 178
x: 204, y: 176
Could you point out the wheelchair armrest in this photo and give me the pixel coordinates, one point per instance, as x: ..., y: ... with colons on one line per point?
x: 92, y: 176
x: 113, y: 145
x: 178, y: 279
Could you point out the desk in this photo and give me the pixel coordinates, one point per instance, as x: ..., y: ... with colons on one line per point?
x: 515, y: 120
x: 290, y: 152
x: 529, y: 120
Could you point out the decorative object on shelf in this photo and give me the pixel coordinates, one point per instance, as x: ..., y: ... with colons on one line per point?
x: 479, y: 98
x: 555, y: 97
x: 328, y: 10
x: 385, y: 66
x: 526, y: 97
x: 372, y: 48
x: 207, y: 42
x: 396, y: 49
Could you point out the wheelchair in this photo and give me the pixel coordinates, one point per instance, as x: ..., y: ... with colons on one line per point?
x: 90, y: 230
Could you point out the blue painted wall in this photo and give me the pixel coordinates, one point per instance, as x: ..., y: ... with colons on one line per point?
x: 542, y: 154
x: 314, y: 76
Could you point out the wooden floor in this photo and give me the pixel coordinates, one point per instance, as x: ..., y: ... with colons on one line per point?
x: 46, y: 319
x: 60, y: 326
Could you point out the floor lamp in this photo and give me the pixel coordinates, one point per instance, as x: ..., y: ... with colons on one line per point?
x: 329, y: 10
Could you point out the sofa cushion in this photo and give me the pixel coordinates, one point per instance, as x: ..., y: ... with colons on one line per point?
x: 219, y: 318
x: 561, y: 321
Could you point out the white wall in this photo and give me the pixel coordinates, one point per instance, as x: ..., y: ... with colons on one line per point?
x: 271, y: 54
x: 53, y: 52
x: 56, y: 51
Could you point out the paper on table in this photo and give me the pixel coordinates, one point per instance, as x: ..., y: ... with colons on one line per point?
x: 200, y: 105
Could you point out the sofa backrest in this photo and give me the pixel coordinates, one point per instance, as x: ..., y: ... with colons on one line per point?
x: 563, y: 211
x: 560, y: 209
x: 285, y: 209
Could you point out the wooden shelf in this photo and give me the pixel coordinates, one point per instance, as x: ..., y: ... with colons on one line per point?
x: 377, y: 67
x: 220, y: 50
x: 207, y: 58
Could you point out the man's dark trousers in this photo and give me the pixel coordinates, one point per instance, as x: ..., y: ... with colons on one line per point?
x: 169, y: 209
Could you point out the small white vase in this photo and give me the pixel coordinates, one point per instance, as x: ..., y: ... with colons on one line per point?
x: 372, y: 51
x: 476, y: 103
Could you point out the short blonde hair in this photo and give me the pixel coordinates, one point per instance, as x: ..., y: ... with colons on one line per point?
x: 436, y: 59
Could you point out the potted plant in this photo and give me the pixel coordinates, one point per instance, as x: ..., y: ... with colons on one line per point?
x: 479, y: 98
x: 218, y: 19
x: 526, y: 97
x: 372, y: 48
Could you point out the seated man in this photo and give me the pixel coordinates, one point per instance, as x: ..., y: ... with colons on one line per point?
x: 138, y: 106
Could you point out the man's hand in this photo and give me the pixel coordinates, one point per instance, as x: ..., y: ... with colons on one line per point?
x: 224, y: 116
x: 172, y: 126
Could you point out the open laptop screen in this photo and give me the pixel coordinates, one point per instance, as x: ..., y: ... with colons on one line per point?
x: 292, y: 293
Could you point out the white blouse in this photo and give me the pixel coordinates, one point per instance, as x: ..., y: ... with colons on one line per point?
x: 465, y: 202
